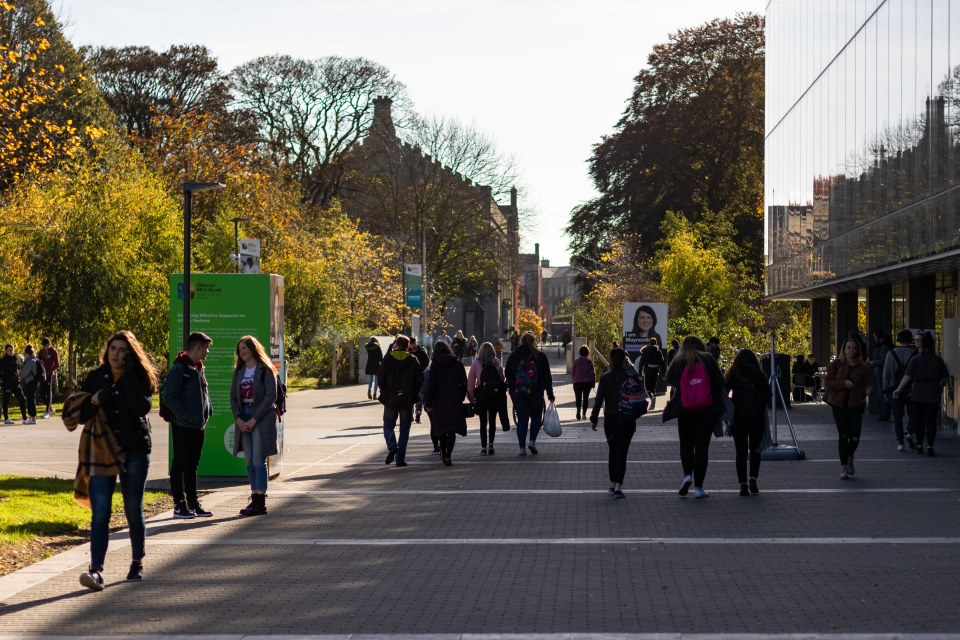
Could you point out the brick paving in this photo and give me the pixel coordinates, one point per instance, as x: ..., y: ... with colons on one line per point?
x: 529, y: 545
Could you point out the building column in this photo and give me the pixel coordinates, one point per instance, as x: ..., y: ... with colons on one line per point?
x: 820, y: 330
x: 922, y: 302
x: 846, y: 316
x: 879, y: 318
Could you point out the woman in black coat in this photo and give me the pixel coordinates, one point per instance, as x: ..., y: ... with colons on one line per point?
x: 374, y: 358
x: 443, y: 400
x: 122, y: 388
x: 751, y: 394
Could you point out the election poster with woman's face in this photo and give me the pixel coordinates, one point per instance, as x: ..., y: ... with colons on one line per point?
x: 641, y: 322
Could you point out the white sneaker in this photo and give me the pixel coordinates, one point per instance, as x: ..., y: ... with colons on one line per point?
x: 523, y: 451
x: 900, y: 447
x: 700, y: 493
x: 30, y: 421
x: 45, y: 416
x: 25, y: 421
x: 8, y: 421
x: 843, y: 473
x: 850, y: 469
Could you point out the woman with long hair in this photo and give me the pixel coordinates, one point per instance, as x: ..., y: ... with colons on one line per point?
x: 618, y: 427
x: 459, y: 345
x: 374, y: 358
x: 750, y: 394
x: 698, y: 386
x: 584, y: 377
x: 849, y: 381
x: 528, y: 378
x: 926, y: 375
x: 252, y: 397
x: 487, y: 389
x: 120, y: 391
x: 443, y: 400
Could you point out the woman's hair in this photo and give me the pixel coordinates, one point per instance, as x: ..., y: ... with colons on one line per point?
x: 636, y: 317
x: 141, y: 361
x: 585, y: 351
x: 459, y: 334
x: 529, y: 340
x: 618, y: 358
x: 372, y: 340
x: 28, y: 350
x: 441, y: 347
x: 486, y: 353
x: 259, y: 354
x: 842, y: 356
x: 474, y: 338
x: 690, y: 349
x: 743, y: 357
x: 927, y: 343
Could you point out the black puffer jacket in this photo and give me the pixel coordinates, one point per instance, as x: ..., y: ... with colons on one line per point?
x: 126, y: 403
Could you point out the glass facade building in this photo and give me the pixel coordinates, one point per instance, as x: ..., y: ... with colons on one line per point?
x: 862, y: 187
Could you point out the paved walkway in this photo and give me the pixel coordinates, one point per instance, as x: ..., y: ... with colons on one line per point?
x: 510, y: 545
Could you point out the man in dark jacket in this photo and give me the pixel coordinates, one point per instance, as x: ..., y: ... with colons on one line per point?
x: 528, y: 377
x: 374, y: 358
x: 10, y: 381
x: 187, y: 397
x: 650, y: 365
x: 400, y: 379
x: 423, y: 359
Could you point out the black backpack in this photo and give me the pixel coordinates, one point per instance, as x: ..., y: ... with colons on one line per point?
x: 280, y: 404
x: 165, y: 413
x: 746, y: 398
x: 901, y: 371
x: 490, y: 387
x: 39, y: 373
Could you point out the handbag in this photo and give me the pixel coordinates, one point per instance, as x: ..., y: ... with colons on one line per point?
x: 469, y: 410
x: 551, y: 421
x: 672, y: 409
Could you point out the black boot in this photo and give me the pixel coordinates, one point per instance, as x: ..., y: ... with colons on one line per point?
x: 250, y: 505
x: 257, y: 506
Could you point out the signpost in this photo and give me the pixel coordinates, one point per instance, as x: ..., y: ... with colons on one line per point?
x: 413, y: 281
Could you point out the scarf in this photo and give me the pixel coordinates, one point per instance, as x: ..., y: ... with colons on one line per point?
x: 99, y: 453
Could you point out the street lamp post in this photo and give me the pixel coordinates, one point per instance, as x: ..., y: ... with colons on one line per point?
x: 236, y: 235
x: 189, y: 188
x: 423, y: 290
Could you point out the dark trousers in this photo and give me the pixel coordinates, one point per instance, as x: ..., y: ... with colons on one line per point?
x: 695, y: 431
x: 581, y: 391
x: 447, y: 441
x: 619, y: 432
x: 504, y: 415
x: 17, y: 393
x: 650, y: 379
x: 46, y: 393
x: 187, y: 445
x: 923, y: 420
x: 30, y: 389
x: 488, y: 422
x: 897, y: 409
x: 529, y: 416
x: 849, y: 425
x: 747, y: 434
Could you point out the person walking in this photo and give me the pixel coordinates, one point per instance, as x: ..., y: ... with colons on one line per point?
x: 750, y: 392
x: 418, y: 352
x: 443, y: 337
x: 528, y: 378
x: 400, y: 380
x: 486, y: 388
x: 253, y: 395
x: 459, y: 345
x: 443, y: 400
x: 584, y: 377
x: 472, y: 346
x: 31, y: 376
x: 698, y: 385
x: 894, y: 368
x: 374, y: 358
x: 618, y: 427
x: 113, y: 404
x: 187, y: 397
x: 849, y: 382
x: 926, y: 376
x: 876, y: 361
x: 50, y: 359
x: 10, y: 382
x: 650, y: 365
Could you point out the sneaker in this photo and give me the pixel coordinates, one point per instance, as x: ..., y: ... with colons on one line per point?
x: 92, y: 580
x: 910, y: 441
x: 931, y: 453
x: 920, y: 448
x: 743, y: 489
x: 391, y: 455
x: 843, y: 473
x: 417, y: 418
x: 490, y: 450
x: 199, y: 511
x: 578, y: 415
x: 483, y: 451
x: 533, y: 448
x: 618, y: 494
x: 754, y: 489
x: 136, y: 572
x: 45, y: 416
x: 901, y: 447
x: 685, y: 486
x: 611, y: 491
x: 182, y: 512
x: 8, y: 421
x: 850, y: 469
x: 30, y: 421
x: 369, y: 395
x: 523, y: 451
x: 700, y: 493
x: 25, y: 421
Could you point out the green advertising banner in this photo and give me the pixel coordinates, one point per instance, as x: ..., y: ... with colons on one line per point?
x: 413, y: 285
x: 226, y: 307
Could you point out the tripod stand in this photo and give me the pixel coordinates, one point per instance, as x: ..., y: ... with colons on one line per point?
x: 776, y: 451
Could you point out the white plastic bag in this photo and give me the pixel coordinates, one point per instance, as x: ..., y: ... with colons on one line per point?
x: 551, y: 421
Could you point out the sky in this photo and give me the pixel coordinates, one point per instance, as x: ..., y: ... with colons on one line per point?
x: 546, y: 79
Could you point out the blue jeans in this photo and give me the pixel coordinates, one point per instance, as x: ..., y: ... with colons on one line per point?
x: 253, y: 453
x: 372, y: 383
x: 529, y: 415
x: 390, y: 416
x: 133, y: 481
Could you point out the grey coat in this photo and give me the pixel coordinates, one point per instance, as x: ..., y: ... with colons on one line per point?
x: 264, y: 395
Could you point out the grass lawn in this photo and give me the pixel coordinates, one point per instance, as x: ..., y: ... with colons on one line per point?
x: 296, y: 383
x: 39, y: 517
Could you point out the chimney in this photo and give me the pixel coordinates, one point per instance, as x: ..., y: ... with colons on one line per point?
x: 536, y: 247
x: 513, y: 197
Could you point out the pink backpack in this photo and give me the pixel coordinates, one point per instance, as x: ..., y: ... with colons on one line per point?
x: 695, y: 391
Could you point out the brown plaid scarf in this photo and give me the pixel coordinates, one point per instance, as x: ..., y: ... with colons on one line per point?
x: 100, y: 454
